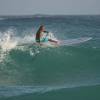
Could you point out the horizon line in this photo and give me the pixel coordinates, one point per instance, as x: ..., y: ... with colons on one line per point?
x: 37, y: 14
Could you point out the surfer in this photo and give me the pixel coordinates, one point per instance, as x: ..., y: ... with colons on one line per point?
x: 42, y: 36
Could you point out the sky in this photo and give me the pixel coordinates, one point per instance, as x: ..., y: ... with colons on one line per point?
x: 63, y: 7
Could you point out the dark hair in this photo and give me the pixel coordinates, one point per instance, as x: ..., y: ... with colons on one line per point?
x: 38, y: 33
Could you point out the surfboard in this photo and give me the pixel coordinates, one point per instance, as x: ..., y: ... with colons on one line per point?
x: 67, y: 42
x: 70, y: 42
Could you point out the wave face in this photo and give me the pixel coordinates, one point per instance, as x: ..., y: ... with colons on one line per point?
x: 30, y: 71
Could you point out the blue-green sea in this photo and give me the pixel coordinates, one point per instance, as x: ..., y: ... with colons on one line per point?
x: 32, y: 72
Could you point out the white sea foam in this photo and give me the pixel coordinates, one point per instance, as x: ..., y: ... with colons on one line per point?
x: 9, y: 41
x: 6, y: 43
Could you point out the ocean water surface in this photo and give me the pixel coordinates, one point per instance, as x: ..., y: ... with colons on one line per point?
x: 67, y: 72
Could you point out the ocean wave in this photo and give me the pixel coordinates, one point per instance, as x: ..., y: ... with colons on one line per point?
x: 9, y: 41
x: 9, y: 91
x: 2, y: 18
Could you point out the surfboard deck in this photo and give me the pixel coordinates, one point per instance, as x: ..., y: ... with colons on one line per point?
x: 68, y: 42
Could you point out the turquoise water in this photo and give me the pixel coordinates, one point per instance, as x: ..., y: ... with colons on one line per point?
x: 67, y: 72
